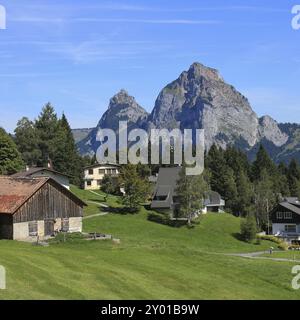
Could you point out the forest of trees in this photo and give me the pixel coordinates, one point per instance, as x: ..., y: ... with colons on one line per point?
x: 251, y: 188
x: 248, y: 188
x: 36, y: 143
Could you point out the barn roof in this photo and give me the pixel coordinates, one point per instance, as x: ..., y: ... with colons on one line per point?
x: 14, y: 192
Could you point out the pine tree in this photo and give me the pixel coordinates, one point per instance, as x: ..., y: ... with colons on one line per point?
x: 263, y: 162
x: 46, y: 126
x: 64, y: 155
x: 245, y: 194
x: 10, y: 158
x: 27, y: 141
x: 293, y: 176
x: 248, y: 229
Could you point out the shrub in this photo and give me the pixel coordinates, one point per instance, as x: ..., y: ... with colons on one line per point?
x: 282, y: 245
x: 164, y: 219
x: 248, y: 229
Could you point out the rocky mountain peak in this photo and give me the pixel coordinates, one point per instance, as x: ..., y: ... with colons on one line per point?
x: 122, y: 97
x: 122, y: 107
x: 198, y: 70
x: 269, y: 129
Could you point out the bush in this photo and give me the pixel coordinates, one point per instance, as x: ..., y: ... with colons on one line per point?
x: 164, y: 219
x: 282, y: 245
x: 248, y: 229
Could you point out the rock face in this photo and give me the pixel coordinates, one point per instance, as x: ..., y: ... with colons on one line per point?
x: 122, y: 107
x: 201, y: 99
x: 269, y: 129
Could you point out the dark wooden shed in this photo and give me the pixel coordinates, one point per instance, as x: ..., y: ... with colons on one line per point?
x: 31, y: 207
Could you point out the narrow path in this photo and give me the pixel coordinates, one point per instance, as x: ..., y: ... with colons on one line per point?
x: 97, y: 203
x: 257, y: 255
x: 96, y: 215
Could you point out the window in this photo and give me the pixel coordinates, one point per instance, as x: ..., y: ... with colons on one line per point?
x: 288, y: 215
x: 89, y: 183
x: 101, y: 171
x: 91, y: 171
x: 33, y: 228
x: 279, y: 215
x: 65, y: 224
x: 99, y: 182
x: 160, y: 198
x: 290, y: 228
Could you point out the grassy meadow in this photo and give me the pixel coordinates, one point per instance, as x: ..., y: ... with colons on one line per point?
x: 152, y: 261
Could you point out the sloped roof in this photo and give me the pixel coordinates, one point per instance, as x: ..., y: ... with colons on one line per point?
x: 291, y: 207
x: 213, y: 198
x: 31, y: 171
x: 14, y: 192
x: 106, y: 165
x: 165, y: 186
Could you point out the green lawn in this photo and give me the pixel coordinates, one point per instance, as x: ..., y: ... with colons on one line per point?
x: 290, y: 254
x: 152, y: 262
x: 94, y: 201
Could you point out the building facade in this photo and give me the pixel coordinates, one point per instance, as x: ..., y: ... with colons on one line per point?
x: 37, y: 207
x: 285, y: 220
x: 93, y: 175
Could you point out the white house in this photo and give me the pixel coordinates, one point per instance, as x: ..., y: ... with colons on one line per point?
x: 94, y: 174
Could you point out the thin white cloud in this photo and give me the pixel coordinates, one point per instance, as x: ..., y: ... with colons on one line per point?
x: 112, y: 20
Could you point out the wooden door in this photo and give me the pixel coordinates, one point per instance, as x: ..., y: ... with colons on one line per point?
x: 49, y: 227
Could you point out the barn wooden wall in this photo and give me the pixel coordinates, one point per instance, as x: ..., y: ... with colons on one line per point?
x: 49, y: 202
x: 6, y: 226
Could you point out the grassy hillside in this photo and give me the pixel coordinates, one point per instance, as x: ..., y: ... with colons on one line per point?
x: 151, y: 262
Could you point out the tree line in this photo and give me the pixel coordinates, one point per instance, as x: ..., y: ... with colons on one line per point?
x: 46, y: 140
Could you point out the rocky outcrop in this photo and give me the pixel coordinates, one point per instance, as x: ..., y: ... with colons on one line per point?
x: 122, y: 107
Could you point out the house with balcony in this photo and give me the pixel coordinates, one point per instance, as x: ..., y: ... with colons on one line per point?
x: 285, y: 219
x: 94, y: 174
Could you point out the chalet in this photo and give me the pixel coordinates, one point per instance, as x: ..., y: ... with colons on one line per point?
x: 38, y: 172
x: 285, y: 219
x: 31, y: 207
x: 213, y: 202
x: 94, y: 174
x: 165, y: 200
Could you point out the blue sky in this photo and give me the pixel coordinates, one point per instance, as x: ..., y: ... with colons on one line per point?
x: 78, y: 54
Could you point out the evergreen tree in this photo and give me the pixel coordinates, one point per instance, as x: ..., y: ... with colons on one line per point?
x: 228, y: 188
x: 10, y: 158
x: 262, y: 163
x: 248, y: 229
x: 64, y: 155
x: 27, y: 141
x: 245, y: 194
x: 293, y: 176
x: 46, y: 126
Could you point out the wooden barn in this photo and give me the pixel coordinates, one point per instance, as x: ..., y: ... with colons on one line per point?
x: 37, y: 207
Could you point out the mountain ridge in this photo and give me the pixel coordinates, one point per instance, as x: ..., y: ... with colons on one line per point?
x: 200, y: 98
